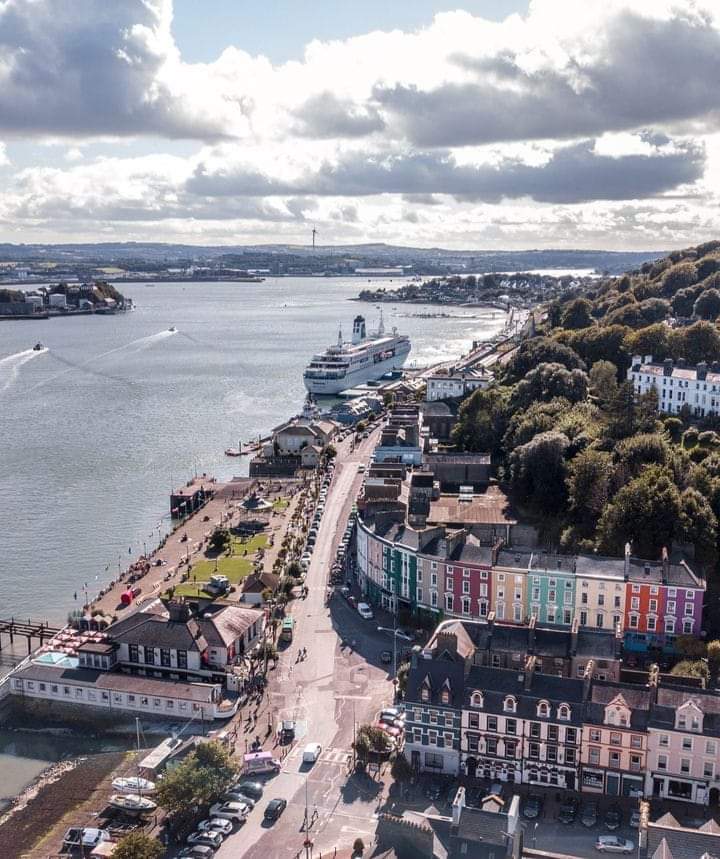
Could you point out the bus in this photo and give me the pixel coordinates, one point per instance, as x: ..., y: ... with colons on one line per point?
x: 286, y: 630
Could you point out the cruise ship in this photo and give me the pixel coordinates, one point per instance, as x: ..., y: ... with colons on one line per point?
x: 364, y: 358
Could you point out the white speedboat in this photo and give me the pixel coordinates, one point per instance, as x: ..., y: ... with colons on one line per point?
x: 132, y: 803
x: 135, y: 784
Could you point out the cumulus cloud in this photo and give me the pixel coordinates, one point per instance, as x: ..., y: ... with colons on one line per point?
x: 327, y: 116
x: 573, y: 174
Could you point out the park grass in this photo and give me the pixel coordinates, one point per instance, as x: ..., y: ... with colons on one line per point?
x: 280, y: 504
x: 258, y: 541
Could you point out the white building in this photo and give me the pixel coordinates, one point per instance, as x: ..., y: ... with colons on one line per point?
x: 452, y: 383
x: 677, y: 384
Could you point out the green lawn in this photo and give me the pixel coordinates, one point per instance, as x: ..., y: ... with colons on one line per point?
x: 280, y: 504
x: 259, y: 541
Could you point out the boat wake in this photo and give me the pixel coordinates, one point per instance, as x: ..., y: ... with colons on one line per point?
x: 133, y: 346
x: 10, y: 366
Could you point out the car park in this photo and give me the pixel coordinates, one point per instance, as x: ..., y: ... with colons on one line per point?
x: 275, y: 808
x: 216, y: 824
x: 311, y: 753
x: 589, y: 814
x: 365, y: 611
x: 613, y: 817
x: 568, y: 810
x: 533, y: 806
x: 614, y: 844
x: 211, y: 839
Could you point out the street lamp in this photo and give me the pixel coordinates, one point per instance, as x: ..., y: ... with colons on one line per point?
x: 394, y: 631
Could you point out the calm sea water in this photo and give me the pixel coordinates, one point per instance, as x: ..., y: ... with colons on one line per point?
x: 94, y: 431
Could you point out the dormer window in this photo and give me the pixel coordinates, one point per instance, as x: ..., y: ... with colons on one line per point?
x: 543, y: 709
x: 425, y: 694
x: 509, y: 704
x: 563, y: 711
x: 445, y: 697
x: 476, y: 699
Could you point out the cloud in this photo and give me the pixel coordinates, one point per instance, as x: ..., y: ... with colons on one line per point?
x: 572, y: 174
x: 638, y: 71
x: 95, y: 68
x: 327, y: 116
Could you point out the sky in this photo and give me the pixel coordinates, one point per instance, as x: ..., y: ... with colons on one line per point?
x: 491, y: 124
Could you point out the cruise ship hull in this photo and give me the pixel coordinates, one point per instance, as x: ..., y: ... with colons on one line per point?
x: 372, y: 372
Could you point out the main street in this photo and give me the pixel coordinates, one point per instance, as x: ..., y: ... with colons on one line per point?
x: 326, y: 694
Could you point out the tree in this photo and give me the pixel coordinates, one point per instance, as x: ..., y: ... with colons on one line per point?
x: 201, y: 778
x: 641, y: 450
x: 698, y: 525
x: 548, y: 381
x: 602, y: 343
x: 698, y: 342
x: 401, y: 769
x: 690, y: 647
x: 538, y: 471
x: 679, y: 276
x: 541, y: 350
x: 652, y: 340
x: 645, y: 512
x: 640, y: 314
x: 138, y: 845
x: 688, y: 668
x: 603, y: 380
x: 539, y: 417
x: 588, y: 487
x: 577, y: 314
x: 621, y: 412
x: 684, y: 300
x: 358, y: 847
x: 220, y: 539
x: 707, y: 305
x: 369, y: 740
x: 482, y: 421
x: 713, y: 657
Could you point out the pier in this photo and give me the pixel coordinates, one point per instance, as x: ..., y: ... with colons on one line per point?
x: 28, y: 629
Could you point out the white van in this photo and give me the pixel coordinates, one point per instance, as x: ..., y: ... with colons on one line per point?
x: 365, y: 611
x: 260, y: 762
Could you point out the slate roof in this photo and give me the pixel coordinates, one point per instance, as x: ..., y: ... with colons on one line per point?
x: 479, y: 825
x: 114, y: 681
x: 497, y: 683
x: 441, y: 673
x: 156, y: 630
x: 669, y: 698
x: 227, y: 625
x: 594, y: 566
x: 638, y: 699
x: 669, y: 840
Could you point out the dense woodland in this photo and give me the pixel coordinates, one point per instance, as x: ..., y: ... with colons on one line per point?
x: 592, y: 464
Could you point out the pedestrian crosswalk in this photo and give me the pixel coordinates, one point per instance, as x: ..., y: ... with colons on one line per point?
x: 330, y: 755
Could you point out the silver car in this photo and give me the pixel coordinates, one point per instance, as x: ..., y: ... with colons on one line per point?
x: 614, y: 844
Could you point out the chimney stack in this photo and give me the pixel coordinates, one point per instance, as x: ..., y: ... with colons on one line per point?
x: 531, y: 634
x: 574, y: 635
x: 665, y: 565
x: 587, y: 678
x: 627, y: 560
x: 702, y: 369
x: 529, y: 671
x: 667, y: 367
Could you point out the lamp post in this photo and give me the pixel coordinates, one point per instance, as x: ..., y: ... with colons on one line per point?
x: 394, y: 631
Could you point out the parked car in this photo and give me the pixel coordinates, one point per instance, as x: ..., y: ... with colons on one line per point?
x: 216, y: 824
x: 230, y: 811
x: 613, y: 817
x: 589, y: 815
x: 533, y: 806
x: 635, y: 819
x: 568, y: 810
x: 395, y: 712
x: 253, y: 789
x: 614, y: 844
x: 235, y: 795
x: 391, y: 730
x: 365, y: 611
x: 275, y: 808
x: 197, y: 851
x: 311, y: 753
x: 352, y: 601
x: 211, y: 839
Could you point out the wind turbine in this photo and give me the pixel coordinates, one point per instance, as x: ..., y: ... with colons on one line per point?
x: 314, y: 233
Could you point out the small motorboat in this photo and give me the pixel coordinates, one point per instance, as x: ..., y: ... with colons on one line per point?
x: 38, y: 347
x: 172, y: 329
x: 132, y: 803
x: 232, y: 451
x: 134, y: 784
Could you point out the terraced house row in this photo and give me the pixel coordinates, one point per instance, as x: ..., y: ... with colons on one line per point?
x: 420, y: 552
x: 658, y: 737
